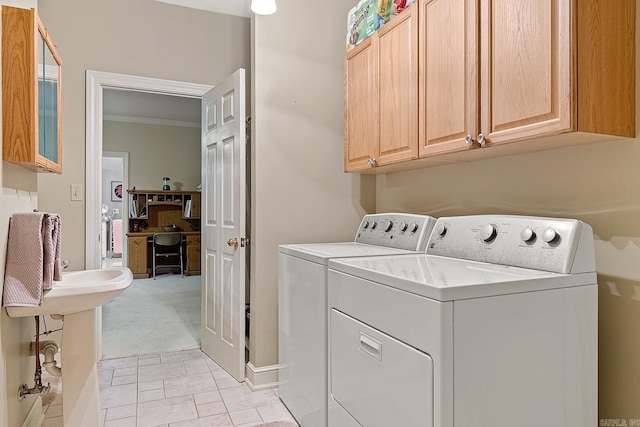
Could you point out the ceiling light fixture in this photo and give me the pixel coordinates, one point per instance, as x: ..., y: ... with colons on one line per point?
x: 263, y: 7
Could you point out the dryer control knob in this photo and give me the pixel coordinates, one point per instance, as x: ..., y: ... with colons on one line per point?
x: 413, y: 227
x: 374, y: 225
x: 366, y: 225
x: 386, y: 226
x: 488, y: 233
x: 403, y: 226
x: 550, y: 235
x: 527, y: 235
x: 441, y: 230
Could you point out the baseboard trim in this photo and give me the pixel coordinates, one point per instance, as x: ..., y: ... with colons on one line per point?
x: 262, y: 378
x: 35, y: 417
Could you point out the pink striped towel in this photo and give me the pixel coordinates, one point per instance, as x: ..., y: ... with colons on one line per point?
x: 33, y: 252
x: 51, y: 250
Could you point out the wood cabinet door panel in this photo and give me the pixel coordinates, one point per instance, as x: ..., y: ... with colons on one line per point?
x: 361, y: 105
x: 448, y: 75
x: 138, y: 255
x: 398, y: 80
x: 526, y: 68
x: 193, y: 259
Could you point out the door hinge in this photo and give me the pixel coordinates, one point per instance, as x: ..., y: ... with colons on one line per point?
x: 244, y: 242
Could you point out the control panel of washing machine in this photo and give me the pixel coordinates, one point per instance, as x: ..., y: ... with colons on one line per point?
x: 396, y: 230
x: 549, y: 244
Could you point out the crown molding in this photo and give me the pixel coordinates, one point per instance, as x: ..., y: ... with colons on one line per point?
x: 150, y: 121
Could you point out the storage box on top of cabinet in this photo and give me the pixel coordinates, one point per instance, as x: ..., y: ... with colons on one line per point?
x: 498, y: 78
x: 31, y: 93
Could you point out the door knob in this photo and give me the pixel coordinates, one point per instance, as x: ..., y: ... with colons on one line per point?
x: 233, y: 242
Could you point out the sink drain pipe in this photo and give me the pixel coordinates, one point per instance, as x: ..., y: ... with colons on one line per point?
x: 49, y: 350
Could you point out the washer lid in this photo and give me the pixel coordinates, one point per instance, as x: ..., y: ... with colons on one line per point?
x: 447, y: 279
x: 320, y: 253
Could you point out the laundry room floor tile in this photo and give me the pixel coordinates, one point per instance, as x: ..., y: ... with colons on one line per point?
x: 178, y: 389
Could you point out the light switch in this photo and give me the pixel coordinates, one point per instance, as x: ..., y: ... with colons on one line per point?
x: 76, y: 192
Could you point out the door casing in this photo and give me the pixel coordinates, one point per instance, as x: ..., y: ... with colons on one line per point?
x: 96, y: 82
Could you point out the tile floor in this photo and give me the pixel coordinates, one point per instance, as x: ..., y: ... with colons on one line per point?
x: 176, y: 389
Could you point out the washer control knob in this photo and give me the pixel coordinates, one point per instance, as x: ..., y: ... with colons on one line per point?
x: 488, y: 233
x: 527, y: 235
x: 413, y: 227
x: 366, y: 225
x: 550, y: 235
x: 403, y: 226
x: 386, y: 226
x: 441, y: 230
x: 374, y: 225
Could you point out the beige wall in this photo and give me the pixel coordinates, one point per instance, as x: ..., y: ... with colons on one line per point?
x: 143, y: 38
x: 300, y: 193
x: 18, y: 194
x: 156, y: 151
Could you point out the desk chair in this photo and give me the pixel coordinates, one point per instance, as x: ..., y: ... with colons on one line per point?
x: 167, y: 245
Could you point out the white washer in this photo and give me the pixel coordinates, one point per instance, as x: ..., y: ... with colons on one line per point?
x: 495, y: 326
x: 302, y: 284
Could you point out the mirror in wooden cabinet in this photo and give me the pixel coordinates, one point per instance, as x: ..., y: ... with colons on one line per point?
x: 49, y: 98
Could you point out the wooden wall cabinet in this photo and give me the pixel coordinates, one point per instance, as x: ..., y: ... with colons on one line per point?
x: 510, y: 73
x: 31, y: 93
x: 381, y: 101
x: 506, y: 77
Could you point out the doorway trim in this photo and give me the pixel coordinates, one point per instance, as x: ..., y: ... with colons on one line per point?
x: 96, y: 82
x: 124, y: 155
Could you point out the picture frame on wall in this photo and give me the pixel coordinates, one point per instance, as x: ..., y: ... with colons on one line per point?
x: 116, y: 191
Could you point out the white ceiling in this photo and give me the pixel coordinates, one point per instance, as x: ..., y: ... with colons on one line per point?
x: 227, y: 7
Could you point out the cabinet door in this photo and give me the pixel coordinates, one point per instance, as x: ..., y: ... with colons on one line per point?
x: 138, y: 256
x: 193, y: 254
x: 448, y: 75
x: 361, y: 105
x: 398, y: 80
x: 527, y: 69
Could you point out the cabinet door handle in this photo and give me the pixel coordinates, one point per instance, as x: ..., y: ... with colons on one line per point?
x: 371, y: 161
x: 468, y: 140
x: 481, y: 139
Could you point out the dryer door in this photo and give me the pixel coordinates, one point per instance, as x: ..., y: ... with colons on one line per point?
x: 377, y: 379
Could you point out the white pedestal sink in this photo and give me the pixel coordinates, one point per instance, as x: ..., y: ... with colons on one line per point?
x: 76, y: 297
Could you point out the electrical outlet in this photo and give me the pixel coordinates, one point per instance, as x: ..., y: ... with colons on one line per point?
x: 76, y: 192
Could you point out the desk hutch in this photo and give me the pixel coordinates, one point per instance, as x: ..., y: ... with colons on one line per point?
x: 153, y: 212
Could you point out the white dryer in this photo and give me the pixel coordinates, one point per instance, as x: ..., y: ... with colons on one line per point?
x: 495, y: 326
x: 302, y: 289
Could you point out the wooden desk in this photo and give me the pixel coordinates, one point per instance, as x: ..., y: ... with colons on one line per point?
x: 140, y: 253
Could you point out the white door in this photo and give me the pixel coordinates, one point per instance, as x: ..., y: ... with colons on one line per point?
x: 223, y: 221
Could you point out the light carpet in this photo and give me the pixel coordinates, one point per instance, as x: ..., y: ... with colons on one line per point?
x: 153, y: 316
